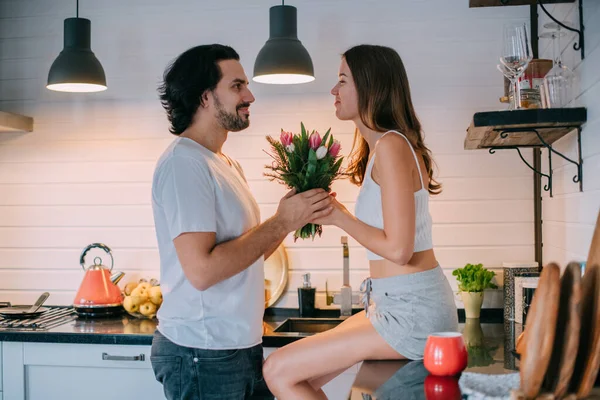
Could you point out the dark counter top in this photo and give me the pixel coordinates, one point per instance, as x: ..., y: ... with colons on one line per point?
x: 486, y: 344
x: 489, y: 343
x: 127, y: 330
x: 124, y: 330
x: 489, y: 346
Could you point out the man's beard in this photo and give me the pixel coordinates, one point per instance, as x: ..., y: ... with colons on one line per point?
x: 232, y: 122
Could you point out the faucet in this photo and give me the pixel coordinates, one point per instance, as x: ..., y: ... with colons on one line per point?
x: 346, y: 291
x: 345, y: 298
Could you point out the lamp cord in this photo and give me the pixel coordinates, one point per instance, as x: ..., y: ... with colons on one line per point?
x: 77, y: 8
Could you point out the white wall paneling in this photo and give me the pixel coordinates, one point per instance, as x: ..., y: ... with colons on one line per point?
x: 569, y: 216
x: 84, y: 174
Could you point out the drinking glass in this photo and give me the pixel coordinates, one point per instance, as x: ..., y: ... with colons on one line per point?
x: 559, y: 81
x: 516, y: 55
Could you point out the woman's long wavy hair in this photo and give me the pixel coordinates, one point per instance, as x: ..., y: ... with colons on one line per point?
x: 384, y: 103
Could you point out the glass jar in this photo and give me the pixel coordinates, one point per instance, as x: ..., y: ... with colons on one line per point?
x: 530, y: 98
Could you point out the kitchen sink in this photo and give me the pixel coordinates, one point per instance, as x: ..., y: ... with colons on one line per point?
x: 307, y: 326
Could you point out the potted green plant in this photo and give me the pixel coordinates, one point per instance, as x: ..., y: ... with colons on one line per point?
x: 473, y: 279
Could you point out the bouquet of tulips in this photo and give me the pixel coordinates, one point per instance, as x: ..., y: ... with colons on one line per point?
x: 304, y: 162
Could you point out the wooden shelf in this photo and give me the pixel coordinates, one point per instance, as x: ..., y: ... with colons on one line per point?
x: 498, y: 129
x: 498, y: 3
x: 10, y: 122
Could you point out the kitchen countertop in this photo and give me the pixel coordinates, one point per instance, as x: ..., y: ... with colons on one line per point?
x: 489, y: 346
x: 124, y: 330
x: 127, y: 330
x: 489, y: 343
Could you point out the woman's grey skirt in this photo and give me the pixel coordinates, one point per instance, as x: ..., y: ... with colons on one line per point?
x: 406, y: 309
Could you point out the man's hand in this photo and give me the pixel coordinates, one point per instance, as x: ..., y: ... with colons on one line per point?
x: 296, y: 210
x: 337, y: 214
x: 206, y: 263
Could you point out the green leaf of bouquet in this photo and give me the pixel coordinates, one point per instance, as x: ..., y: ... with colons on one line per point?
x: 305, y: 147
x: 324, y: 141
x: 324, y: 165
x: 337, y: 165
x: 303, y: 131
x: 312, y: 163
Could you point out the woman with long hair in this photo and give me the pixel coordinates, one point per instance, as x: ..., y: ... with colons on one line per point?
x: 407, y: 296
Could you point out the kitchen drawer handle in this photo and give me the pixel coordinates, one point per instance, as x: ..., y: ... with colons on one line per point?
x: 106, y: 356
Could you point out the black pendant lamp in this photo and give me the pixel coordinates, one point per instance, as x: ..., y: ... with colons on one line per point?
x: 283, y: 59
x: 76, y: 69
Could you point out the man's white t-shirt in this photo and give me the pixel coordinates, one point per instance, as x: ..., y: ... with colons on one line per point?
x: 195, y: 190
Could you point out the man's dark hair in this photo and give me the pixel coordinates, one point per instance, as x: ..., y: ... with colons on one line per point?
x: 187, y: 78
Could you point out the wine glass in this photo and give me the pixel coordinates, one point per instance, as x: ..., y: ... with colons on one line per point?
x: 511, y: 76
x: 559, y: 81
x: 516, y: 55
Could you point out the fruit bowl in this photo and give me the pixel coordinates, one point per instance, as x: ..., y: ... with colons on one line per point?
x: 142, y: 299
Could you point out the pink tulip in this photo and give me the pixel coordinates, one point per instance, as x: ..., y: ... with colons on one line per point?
x: 286, y: 138
x: 314, y: 140
x: 335, y: 148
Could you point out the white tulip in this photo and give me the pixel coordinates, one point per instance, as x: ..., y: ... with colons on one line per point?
x: 321, y: 152
x: 290, y: 148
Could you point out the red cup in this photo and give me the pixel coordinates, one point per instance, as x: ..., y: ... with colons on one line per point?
x: 442, y: 388
x: 445, y: 354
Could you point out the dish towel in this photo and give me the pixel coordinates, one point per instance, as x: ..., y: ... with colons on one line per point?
x: 475, y: 386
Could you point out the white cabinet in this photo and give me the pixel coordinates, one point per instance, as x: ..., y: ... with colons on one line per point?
x: 13, y: 371
x: 339, y: 387
x: 35, y: 371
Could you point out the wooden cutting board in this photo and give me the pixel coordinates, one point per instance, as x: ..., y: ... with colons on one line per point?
x: 594, y: 254
x: 540, y: 331
x: 276, y: 275
x: 588, y: 356
x: 566, y: 342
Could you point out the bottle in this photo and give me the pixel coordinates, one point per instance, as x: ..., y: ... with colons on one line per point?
x: 306, y: 298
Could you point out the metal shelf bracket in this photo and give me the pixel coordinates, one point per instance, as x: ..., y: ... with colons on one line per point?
x: 579, y: 44
x: 578, y: 178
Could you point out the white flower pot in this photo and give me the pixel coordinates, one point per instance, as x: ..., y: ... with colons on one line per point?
x: 472, y: 302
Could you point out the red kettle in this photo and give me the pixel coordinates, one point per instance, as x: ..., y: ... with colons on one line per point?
x: 98, y: 293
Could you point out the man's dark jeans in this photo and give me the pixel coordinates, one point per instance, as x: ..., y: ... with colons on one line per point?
x: 194, y: 374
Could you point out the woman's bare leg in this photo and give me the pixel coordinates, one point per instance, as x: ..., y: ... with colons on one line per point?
x: 319, y: 382
x: 289, y: 370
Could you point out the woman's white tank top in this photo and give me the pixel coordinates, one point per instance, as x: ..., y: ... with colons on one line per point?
x: 369, y: 207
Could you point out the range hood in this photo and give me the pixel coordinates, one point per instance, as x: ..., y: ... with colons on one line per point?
x: 10, y: 122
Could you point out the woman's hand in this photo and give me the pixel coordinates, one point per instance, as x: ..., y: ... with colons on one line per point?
x: 338, y: 213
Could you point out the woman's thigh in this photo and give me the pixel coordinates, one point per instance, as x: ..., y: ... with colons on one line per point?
x: 332, y: 351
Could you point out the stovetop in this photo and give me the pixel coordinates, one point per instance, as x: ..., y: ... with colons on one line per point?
x: 55, y: 316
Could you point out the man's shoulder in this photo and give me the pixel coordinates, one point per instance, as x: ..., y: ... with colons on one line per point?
x: 183, y: 152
